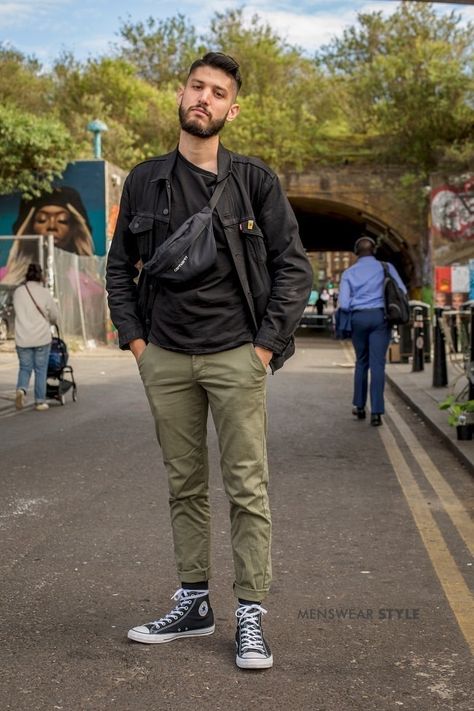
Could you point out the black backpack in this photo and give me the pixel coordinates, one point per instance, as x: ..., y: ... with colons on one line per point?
x: 397, y: 308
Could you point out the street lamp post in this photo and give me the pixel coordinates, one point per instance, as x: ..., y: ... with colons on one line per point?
x: 97, y: 128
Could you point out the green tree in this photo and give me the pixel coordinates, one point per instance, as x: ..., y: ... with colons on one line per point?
x: 23, y: 82
x: 283, y: 117
x: 33, y: 151
x: 161, y: 50
x: 406, y: 84
x: 141, y: 119
x: 285, y: 99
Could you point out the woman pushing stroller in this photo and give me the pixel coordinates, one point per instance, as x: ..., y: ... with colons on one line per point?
x: 35, y: 311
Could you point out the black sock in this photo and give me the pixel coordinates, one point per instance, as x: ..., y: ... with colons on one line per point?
x: 204, y: 585
x: 248, y: 602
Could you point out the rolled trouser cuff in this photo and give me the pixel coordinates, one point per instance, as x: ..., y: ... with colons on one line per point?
x: 195, y: 576
x: 248, y: 594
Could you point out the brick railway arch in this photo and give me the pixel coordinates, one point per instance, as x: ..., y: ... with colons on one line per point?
x: 335, y: 206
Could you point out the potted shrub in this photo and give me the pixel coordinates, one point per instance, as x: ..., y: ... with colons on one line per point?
x: 460, y: 415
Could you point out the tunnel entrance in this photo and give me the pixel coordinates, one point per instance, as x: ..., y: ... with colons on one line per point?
x: 328, y: 226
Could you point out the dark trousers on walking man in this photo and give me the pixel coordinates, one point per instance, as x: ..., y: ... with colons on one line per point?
x: 370, y: 338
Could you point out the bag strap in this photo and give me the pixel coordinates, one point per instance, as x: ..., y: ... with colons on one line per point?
x: 386, y: 269
x: 219, y: 189
x: 34, y: 301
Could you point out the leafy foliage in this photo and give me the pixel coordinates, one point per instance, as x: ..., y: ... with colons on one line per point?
x: 161, y: 50
x: 33, y: 151
x: 141, y: 120
x: 22, y: 82
x: 407, y: 84
x: 459, y: 411
x: 395, y: 89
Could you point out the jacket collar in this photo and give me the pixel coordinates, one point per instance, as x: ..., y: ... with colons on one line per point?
x: 166, y: 163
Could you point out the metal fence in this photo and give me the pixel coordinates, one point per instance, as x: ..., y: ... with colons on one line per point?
x: 76, y: 282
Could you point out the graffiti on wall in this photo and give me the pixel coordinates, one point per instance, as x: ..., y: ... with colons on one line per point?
x: 74, y: 213
x: 453, y: 285
x: 452, y: 211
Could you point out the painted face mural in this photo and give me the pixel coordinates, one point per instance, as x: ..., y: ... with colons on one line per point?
x: 60, y: 213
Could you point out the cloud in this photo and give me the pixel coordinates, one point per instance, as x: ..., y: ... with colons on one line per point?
x: 17, y: 12
x: 44, y: 27
x: 311, y: 25
x: 317, y: 27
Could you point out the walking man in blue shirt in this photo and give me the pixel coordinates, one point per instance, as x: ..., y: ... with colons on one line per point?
x: 361, y: 293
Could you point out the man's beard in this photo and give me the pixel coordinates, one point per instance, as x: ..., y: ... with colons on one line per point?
x: 194, y: 129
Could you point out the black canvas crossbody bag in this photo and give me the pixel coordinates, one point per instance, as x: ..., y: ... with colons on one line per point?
x: 191, y: 250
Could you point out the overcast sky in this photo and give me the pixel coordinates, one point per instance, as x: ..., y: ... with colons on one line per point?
x: 88, y: 27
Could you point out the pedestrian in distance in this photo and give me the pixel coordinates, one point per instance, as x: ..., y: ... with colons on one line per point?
x: 205, y: 340
x: 35, y: 311
x: 325, y: 296
x: 320, y: 304
x: 361, y: 294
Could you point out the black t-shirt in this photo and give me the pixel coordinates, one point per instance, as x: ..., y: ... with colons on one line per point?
x: 209, y: 315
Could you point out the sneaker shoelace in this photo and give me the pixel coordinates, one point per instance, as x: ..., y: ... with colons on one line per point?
x: 185, y: 599
x: 248, y: 618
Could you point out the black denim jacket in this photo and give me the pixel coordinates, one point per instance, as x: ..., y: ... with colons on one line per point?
x: 263, y: 239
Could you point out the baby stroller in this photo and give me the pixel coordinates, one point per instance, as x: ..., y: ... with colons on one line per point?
x: 57, y: 370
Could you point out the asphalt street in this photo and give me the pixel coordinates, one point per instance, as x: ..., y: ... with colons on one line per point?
x: 370, y: 608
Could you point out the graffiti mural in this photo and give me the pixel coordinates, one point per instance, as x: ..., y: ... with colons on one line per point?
x: 74, y: 212
x: 452, y: 211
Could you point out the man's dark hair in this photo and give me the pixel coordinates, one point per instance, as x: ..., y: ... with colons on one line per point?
x: 365, y: 246
x: 221, y: 61
x: 34, y: 272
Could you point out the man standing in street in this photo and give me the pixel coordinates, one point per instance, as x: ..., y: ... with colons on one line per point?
x: 207, y: 343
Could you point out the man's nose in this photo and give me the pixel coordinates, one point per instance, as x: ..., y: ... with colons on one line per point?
x: 205, y: 95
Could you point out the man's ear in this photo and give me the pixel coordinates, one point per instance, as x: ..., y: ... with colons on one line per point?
x: 179, y: 94
x: 233, y: 112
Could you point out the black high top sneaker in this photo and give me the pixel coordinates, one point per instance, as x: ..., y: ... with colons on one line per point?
x: 252, y: 650
x: 192, y: 617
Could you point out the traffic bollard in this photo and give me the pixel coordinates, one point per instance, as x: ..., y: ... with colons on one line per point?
x: 454, y: 331
x: 440, y: 372
x: 418, y: 340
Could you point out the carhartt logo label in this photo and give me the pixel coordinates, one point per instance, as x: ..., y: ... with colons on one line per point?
x: 203, y: 609
x: 182, y: 262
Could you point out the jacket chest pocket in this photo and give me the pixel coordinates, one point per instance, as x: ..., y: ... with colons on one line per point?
x: 256, y: 260
x: 254, y: 241
x: 147, y: 231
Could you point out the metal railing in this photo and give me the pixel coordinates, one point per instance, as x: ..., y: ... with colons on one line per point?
x: 458, y: 331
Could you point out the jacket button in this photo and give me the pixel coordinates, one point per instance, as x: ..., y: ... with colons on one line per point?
x: 165, y: 211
